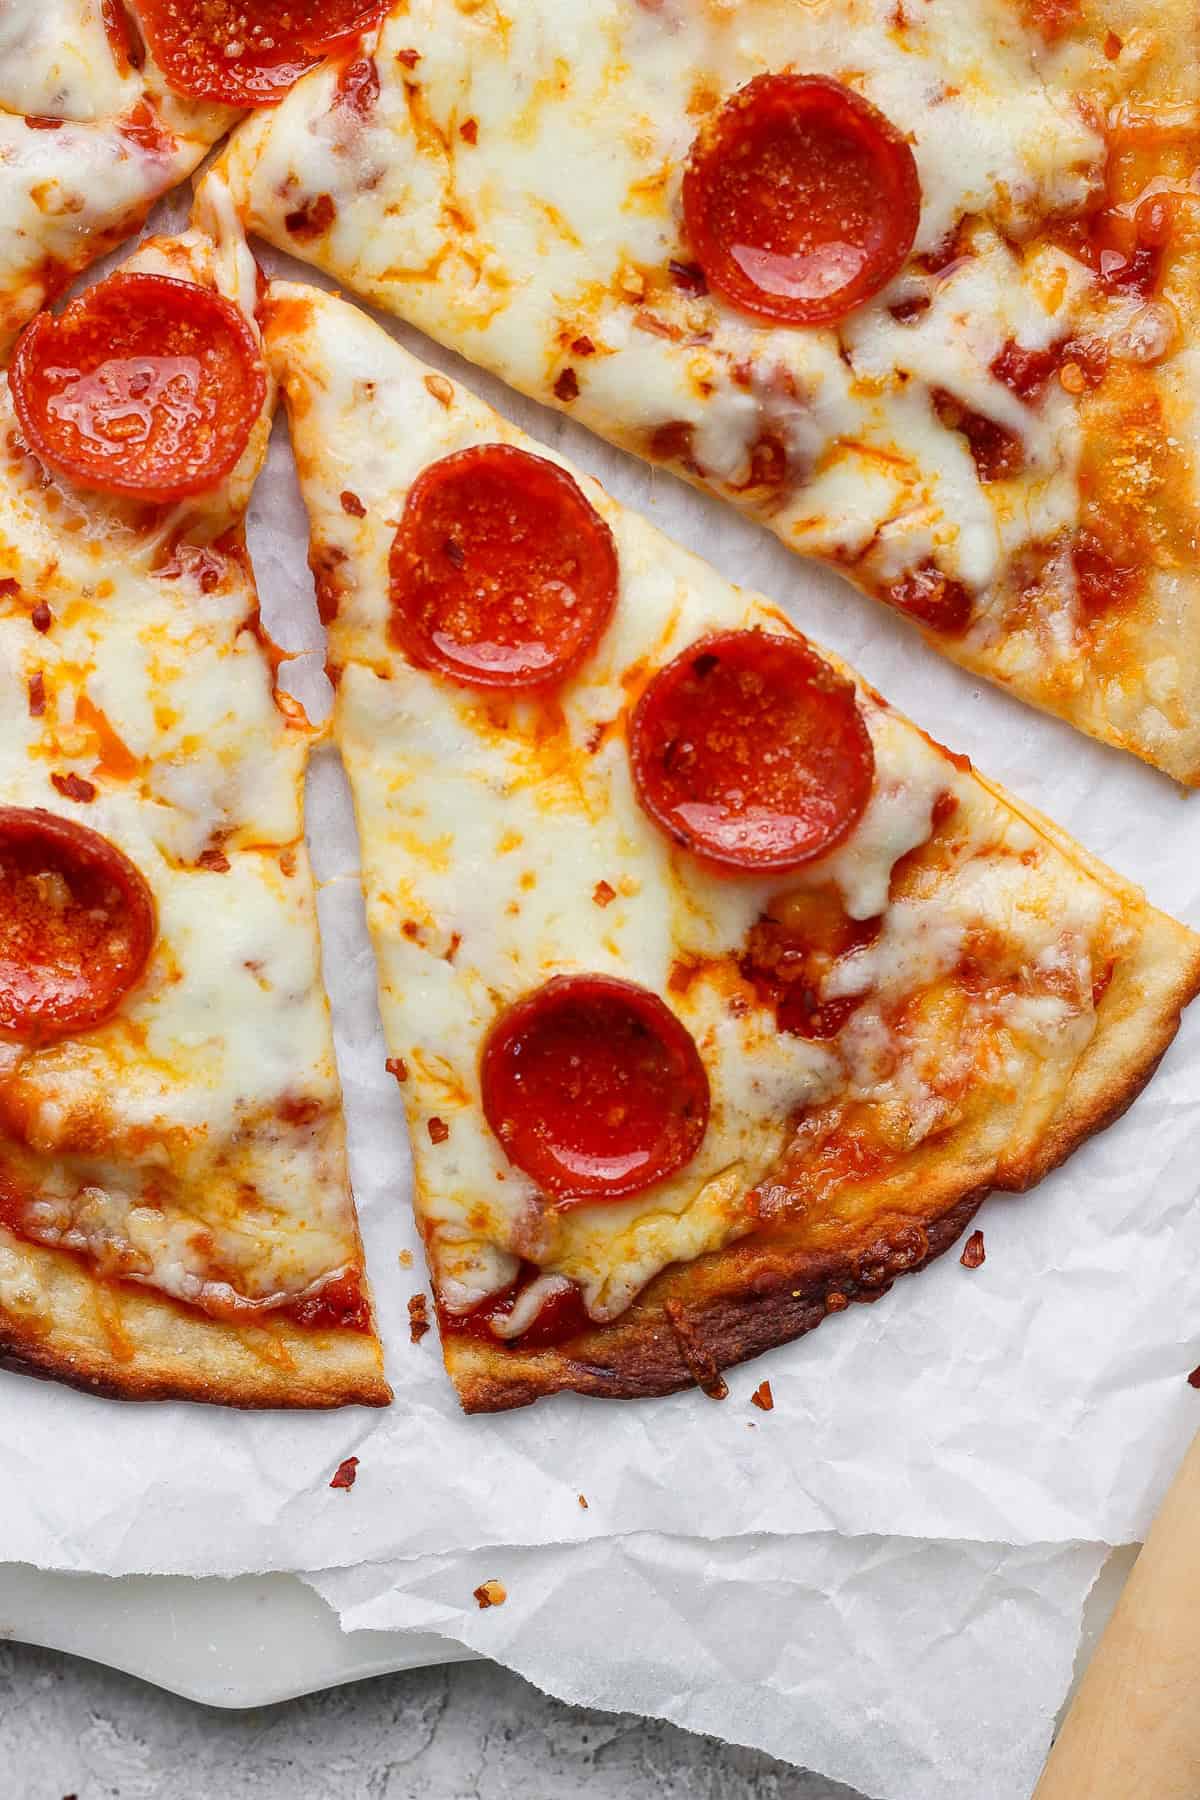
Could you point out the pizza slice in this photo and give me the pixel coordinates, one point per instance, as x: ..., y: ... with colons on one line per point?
x: 912, y: 285
x: 107, y: 104
x: 719, y: 993
x: 175, y: 1214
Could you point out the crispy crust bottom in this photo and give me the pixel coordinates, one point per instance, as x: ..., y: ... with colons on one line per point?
x: 59, y: 1321
x: 692, y: 1321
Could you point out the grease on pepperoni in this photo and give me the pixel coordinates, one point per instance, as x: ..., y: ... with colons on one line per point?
x: 145, y: 385
x: 801, y: 200
x: 502, y: 573
x: 594, y: 1088
x: 249, y: 52
x: 77, y: 925
x: 1103, y: 584
x: 750, y: 751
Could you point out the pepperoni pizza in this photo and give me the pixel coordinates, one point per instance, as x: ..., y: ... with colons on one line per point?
x: 719, y: 994
x: 175, y: 1214
x: 914, y: 285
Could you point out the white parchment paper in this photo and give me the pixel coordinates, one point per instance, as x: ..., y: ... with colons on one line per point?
x: 912, y: 1671
x: 1040, y: 1398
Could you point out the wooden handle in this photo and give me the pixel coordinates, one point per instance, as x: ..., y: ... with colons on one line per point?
x: 1134, y: 1727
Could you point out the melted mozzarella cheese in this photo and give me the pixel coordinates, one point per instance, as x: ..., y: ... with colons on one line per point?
x: 502, y: 844
x: 195, y: 1141
x: 68, y: 194
x: 56, y: 62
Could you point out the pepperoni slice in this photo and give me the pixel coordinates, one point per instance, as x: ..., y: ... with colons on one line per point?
x: 751, y: 752
x: 502, y: 574
x: 594, y: 1088
x: 248, y: 52
x: 76, y: 925
x: 145, y: 385
x: 800, y: 199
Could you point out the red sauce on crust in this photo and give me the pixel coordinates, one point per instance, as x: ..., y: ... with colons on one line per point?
x: 560, y: 1317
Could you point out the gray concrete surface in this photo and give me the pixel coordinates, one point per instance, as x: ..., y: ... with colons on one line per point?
x: 469, y: 1732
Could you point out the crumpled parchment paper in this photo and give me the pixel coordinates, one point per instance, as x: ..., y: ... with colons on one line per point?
x: 910, y: 1670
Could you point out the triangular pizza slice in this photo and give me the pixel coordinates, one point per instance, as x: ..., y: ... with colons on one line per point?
x: 718, y: 992
x: 913, y: 285
x: 175, y: 1213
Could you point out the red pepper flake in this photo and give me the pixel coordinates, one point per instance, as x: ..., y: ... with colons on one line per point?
x: 688, y: 276
x: 213, y: 859
x: 490, y: 1593
x: 74, y: 787
x: 439, y: 1131
x: 603, y: 894
x: 396, y: 1066
x: 644, y: 320
x: 37, y: 695
x: 904, y: 311
x: 1113, y: 46
x: 468, y: 131
x: 973, y: 1251
x: 583, y: 346
x: 410, y: 58
x: 8, y: 587
x: 567, y: 385
x: 41, y: 618
x: 762, y: 1397
x: 313, y: 218
x: 352, y: 504
x: 347, y: 1473
x: 1194, y: 1378
x: 418, y: 1317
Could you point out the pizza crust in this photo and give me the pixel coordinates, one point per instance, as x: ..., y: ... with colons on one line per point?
x: 770, y: 1288
x: 59, y: 1320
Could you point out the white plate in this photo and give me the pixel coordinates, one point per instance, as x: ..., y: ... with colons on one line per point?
x: 262, y: 1638
x: 246, y: 1642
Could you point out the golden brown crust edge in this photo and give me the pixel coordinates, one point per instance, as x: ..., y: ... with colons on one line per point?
x: 765, y: 1291
x: 126, y: 1343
